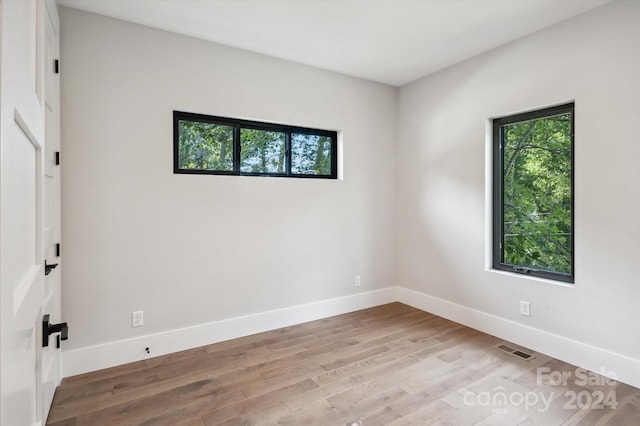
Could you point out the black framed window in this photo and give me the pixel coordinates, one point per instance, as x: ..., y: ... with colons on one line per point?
x: 533, y: 230
x: 204, y: 144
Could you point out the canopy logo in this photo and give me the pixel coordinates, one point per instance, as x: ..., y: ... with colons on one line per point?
x: 500, y: 400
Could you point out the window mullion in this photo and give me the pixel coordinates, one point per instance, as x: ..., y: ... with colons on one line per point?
x: 236, y: 149
x: 287, y: 152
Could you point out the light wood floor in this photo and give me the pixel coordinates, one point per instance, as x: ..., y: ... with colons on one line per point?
x: 389, y: 365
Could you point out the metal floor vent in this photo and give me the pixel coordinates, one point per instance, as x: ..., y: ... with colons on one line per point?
x: 506, y: 348
x: 515, y: 352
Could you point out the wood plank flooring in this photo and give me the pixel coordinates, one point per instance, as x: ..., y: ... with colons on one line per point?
x: 388, y: 365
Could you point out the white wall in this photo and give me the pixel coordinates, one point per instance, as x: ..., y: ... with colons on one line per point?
x: 187, y: 249
x: 442, y: 192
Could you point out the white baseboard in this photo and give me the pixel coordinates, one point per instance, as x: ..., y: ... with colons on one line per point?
x: 580, y: 354
x: 92, y: 358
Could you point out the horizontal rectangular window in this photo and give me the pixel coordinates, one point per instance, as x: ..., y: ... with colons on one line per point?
x: 205, y: 144
x: 533, y: 193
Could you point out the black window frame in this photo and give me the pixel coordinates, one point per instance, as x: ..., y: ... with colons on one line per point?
x: 239, y: 124
x: 498, y: 185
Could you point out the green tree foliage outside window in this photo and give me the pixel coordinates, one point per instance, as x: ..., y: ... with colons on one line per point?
x: 311, y: 154
x: 536, y: 193
x: 205, y: 146
x: 262, y: 151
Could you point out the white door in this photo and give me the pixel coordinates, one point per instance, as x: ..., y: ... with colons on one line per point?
x: 26, y: 371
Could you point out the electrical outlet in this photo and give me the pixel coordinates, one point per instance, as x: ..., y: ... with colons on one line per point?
x: 137, y: 318
x: 357, y: 281
x: 525, y: 308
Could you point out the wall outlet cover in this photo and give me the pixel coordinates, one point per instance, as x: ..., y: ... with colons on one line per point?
x: 137, y: 318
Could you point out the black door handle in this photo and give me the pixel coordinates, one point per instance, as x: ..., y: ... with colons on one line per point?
x: 49, y: 329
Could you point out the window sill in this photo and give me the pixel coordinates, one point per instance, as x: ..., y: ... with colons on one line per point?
x: 531, y: 278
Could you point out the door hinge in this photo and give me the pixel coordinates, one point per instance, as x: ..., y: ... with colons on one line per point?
x: 58, y: 250
x: 57, y: 158
x: 56, y: 66
x: 49, y: 267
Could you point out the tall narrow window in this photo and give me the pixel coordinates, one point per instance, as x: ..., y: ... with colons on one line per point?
x: 533, y: 193
x: 205, y: 144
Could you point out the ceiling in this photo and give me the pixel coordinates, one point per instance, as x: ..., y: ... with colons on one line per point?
x: 388, y: 41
